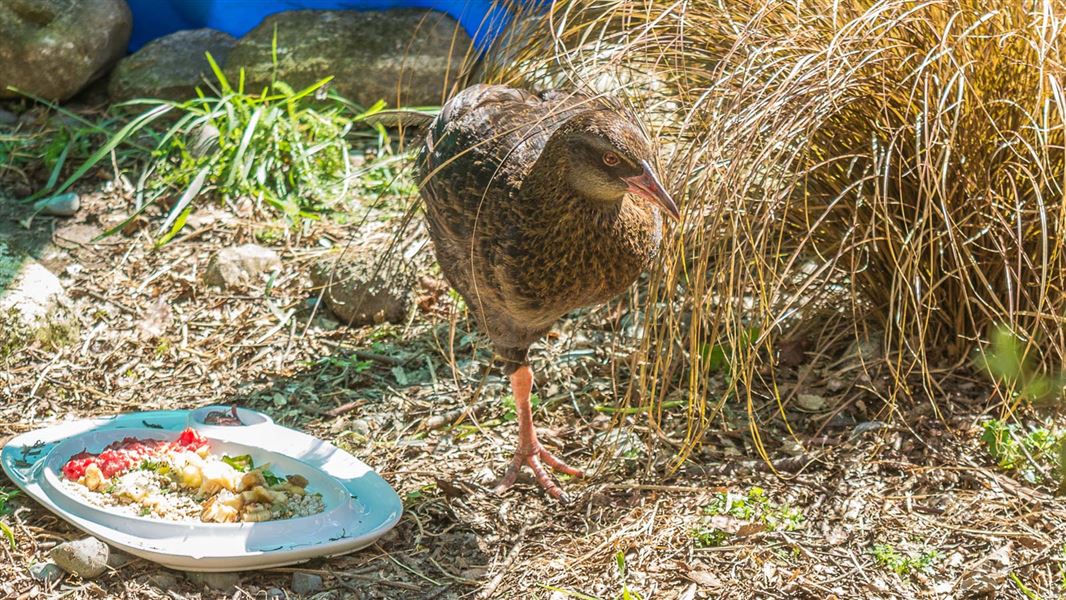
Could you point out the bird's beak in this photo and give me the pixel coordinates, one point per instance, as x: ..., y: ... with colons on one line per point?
x: 647, y: 186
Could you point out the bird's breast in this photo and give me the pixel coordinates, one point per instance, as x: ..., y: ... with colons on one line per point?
x: 582, y: 259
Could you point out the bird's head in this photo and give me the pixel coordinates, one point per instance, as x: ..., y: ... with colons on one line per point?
x: 607, y: 156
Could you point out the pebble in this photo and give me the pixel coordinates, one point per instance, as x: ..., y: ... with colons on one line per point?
x: 118, y: 559
x: 46, y: 572
x: 63, y: 205
x: 215, y: 581
x: 361, y: 427
x: 305, y: 584
x: 86, y: 558
x: 8, y: 118
x: 164, y: 580
x: 276, y: 594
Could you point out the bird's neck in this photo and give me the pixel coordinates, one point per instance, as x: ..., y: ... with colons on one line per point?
x: 560, y: 211
x: 552, y: 177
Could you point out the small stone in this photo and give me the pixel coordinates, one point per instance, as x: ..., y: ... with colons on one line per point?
x: 810, y: 402
x: 485, y: 476
x: 204, y: 140
x: 118, y: 559
x: 63, y: 205
x: 305, y: 584
x: 46, y: 572
x: 276, y: 594
x: 163, y: 580
x: 86, y: 558
x: 361, y: 427
x: 240, y: 266
x: 216, y: 581
x: 27, y: 287
x: 8, y: 118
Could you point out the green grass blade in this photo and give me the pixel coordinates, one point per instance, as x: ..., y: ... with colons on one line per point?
x: 179, y: 224
x: 187, y: 197
x: 246, y: 139
x: 53, y: 177
x: 222, y: 81
x: 121, y: 136
x: 127, y: 220
x: 307, y: 91
x: 8, y: 533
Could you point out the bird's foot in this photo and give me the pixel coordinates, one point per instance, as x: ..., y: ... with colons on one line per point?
x: 536, y: 457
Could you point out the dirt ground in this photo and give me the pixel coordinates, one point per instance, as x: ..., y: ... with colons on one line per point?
x: 857, y: 482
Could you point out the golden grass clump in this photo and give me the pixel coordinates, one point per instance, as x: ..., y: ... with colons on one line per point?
x: 849, y: 169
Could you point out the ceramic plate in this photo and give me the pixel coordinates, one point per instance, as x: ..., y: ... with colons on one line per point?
x: 360, y: 505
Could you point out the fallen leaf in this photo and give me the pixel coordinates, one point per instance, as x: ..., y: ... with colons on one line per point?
x: 751, y: 529
x: 792, y: 353
x: 705, y: 578
x: 155, y: 320
x: 449, y: 489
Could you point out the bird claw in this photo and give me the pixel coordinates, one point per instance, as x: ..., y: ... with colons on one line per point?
x: 533, y: 458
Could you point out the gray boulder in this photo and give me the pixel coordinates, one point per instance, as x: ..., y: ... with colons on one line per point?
x: 361, y: 290
x: 170, y: 67
x: 54, y: 48
x: 405, y: 57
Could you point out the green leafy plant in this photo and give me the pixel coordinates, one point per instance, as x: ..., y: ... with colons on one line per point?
x: 285, y: 149
x: 900, y: 564
x: 1013, y: 363
x: 510, y: 410
x: 5, y: 496
x: 624, y: 594
x: 1032, y: 453
x: 754, y: 507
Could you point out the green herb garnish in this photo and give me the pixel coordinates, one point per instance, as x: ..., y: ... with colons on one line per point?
x: 242, y: 463
x: 271, y: 479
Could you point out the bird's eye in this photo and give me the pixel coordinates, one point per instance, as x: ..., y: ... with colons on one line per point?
x: 611, y: 159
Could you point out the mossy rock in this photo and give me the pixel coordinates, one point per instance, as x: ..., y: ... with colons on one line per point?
x: 55, y: 48
x: 404, y: 57
x: 33, y: 305
x: 171, y: 67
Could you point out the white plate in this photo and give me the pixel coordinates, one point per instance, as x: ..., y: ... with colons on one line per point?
x: 360, y: 505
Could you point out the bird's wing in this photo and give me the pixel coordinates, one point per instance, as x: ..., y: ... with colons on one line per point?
x: 486, y: 138
x: 476, y: 155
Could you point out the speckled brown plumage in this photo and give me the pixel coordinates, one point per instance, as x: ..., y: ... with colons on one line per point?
x: 529, y: 216
x: 521, y: 247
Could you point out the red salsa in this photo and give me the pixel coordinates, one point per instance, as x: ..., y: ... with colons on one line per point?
x: 122, y: 456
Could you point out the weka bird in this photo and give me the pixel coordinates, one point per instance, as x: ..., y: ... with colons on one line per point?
x: 538, y: 204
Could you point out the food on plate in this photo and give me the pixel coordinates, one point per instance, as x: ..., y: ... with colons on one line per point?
x: 181, y: 480
x: 218, y: 417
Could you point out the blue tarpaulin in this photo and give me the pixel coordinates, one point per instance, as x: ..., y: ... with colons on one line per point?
x: 482, y: 19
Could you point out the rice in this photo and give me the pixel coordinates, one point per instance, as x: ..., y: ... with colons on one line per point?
x: 183, y: 482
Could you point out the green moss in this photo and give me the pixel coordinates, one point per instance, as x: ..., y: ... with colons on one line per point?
x: 58, y: 330
x: 9, y: 266
x: 14, y: 334
x: 904, y: 564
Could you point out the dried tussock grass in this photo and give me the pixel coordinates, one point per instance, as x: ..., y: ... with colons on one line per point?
x: 847, y: 169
